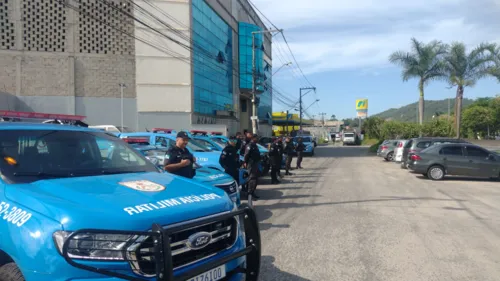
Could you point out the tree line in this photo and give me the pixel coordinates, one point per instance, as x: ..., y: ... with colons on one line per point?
x: 453, y: 63
x: 479, y: 120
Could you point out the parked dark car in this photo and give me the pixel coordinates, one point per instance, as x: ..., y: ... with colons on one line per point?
x: 418, y: 144
x: 460, y: 159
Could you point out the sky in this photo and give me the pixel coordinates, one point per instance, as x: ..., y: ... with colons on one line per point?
x: 343, y: 47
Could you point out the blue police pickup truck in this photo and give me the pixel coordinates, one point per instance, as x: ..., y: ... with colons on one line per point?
x: 213, y: 177
x: 70, y: 210
x: 204, y: 156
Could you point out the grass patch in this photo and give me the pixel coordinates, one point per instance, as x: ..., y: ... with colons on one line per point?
x: 369, y: 141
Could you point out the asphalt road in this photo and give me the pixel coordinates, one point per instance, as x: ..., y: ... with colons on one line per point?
x: 350, y: 216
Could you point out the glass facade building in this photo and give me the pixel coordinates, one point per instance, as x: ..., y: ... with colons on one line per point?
x: 263, y: 69
x: 245, y: 49
x: 266, y: 102
x: 212, y: 60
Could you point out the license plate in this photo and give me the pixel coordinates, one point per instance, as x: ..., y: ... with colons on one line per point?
x: 212, y: 275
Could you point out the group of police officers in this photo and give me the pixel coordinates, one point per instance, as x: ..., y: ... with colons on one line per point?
x: 181, y: 162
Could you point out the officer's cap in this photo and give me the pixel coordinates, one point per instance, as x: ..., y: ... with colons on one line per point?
x: 232, y: 139
x: 182, y: 135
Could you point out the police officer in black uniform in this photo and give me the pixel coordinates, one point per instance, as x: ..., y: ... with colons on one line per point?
x: 300, y: 147
x: 230, y: 159
x: 281, y: 151
x: 179, y: 160
x: 275, y: 159
x: 239, y: 141
x: 289, y: 151
x: 251, y: 162
x: 245, y: 142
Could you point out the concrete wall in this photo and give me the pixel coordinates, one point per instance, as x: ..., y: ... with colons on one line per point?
x: 62, y: 66
x: 164, y: 72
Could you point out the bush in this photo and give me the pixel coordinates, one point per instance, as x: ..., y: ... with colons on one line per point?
x: 374, y: 147
x: 370, y: 142
x: 383, y: 130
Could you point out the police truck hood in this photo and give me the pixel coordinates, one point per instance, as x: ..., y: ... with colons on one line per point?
x: 120, y: 201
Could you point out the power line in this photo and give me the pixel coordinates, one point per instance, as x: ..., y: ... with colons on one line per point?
x: 286, y: 42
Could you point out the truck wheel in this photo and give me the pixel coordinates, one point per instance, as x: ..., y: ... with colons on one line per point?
x: 10, y: 272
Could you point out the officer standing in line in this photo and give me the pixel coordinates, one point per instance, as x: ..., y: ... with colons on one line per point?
x: 230, y: 159
x: 281, y: 148
x: 246, y: 141
x: 300, y: 147
x: 251, y: 162
x: 289, y: 151
x: 239, y: 140
x: 179, y: 160
x: 274, y: 158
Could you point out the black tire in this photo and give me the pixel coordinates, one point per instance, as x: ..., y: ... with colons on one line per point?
x: 436, y: 173
x: 390, y: 156
x: 10, y: 272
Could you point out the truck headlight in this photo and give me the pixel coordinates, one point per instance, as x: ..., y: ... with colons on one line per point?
x: 93, y: 246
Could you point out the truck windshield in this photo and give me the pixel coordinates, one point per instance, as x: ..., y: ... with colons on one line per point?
x: 195, y: 146
x: 32, y: 155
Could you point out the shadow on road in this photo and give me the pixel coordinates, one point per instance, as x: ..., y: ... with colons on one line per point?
x: 269, y: 272
x: 456, y: 178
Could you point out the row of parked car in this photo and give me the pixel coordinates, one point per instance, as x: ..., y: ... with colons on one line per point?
x: 436, y: 158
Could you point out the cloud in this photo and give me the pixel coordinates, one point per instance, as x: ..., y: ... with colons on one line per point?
x: 331, y: 35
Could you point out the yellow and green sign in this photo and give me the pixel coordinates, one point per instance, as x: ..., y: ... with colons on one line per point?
x: 362, y: 105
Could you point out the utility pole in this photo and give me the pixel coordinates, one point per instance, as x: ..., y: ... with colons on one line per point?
x: 254, y: 97
x: 300, y: 103
x: 122, y: 86
x: 323, y: 118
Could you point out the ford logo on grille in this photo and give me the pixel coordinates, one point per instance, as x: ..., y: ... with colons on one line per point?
x: 199, y: 240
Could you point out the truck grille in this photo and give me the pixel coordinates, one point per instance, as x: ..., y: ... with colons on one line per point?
x: 229, y: 188
x: 224, y: 234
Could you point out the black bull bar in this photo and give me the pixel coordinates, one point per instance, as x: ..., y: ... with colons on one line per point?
x: 163, y: 254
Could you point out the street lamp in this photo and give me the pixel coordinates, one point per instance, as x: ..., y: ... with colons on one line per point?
x: 286, y: 64
x: 254, y: 104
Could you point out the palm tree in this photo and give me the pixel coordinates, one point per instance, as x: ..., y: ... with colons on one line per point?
x: 464, y: 69
x: 424, y: 62
x: 494, y: 70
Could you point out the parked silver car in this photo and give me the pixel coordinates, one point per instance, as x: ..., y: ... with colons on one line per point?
x: 386, y: 149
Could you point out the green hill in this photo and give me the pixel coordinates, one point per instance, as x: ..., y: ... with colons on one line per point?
x: 408, y: 113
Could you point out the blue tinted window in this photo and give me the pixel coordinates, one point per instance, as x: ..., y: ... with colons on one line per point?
x: 212, y: 60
